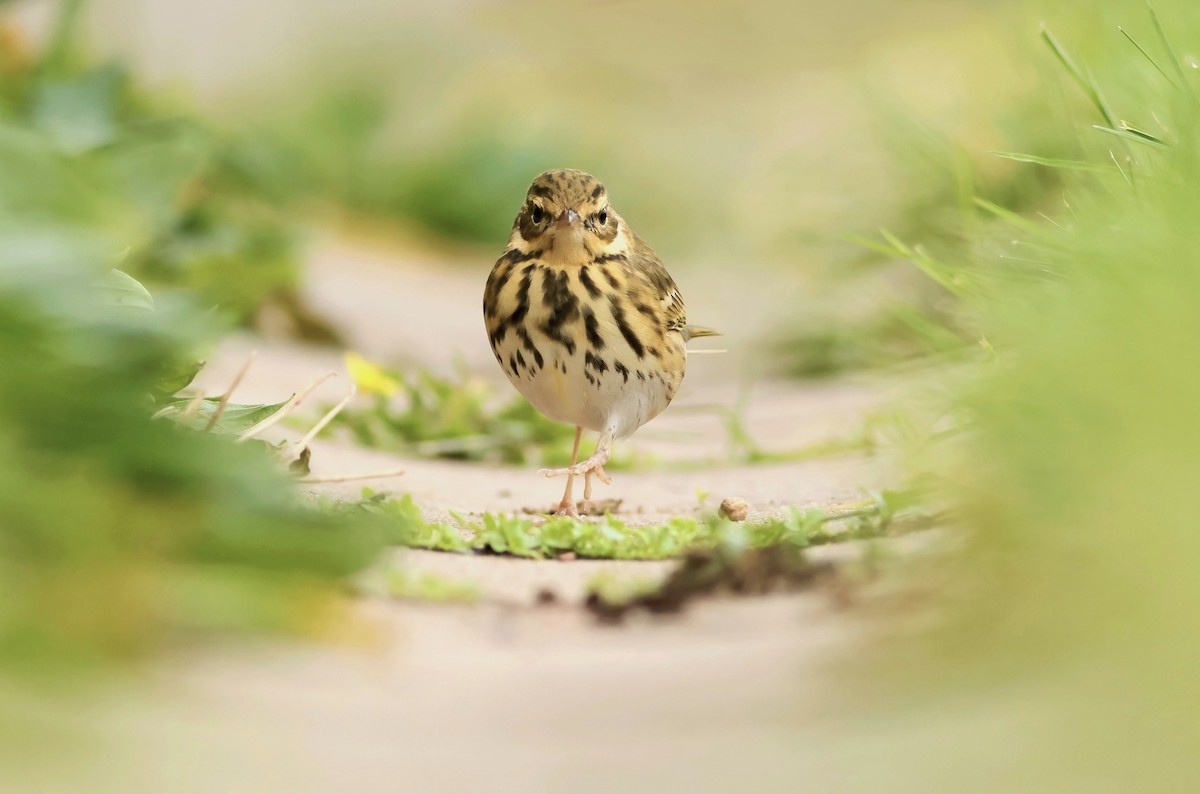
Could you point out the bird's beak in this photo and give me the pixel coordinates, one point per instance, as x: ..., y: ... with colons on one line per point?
x: 568, y: 218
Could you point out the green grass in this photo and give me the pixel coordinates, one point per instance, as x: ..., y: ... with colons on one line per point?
x: 611, y: 538
x: 1076, y: 442
x: 428, y: 587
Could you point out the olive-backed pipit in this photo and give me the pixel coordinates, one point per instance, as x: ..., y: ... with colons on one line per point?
x: 585, y: 320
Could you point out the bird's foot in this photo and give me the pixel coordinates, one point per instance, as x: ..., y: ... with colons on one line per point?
x: 593, y: 466
x: 566, y: 508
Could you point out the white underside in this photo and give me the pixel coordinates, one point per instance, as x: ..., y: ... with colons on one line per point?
x: 570, y: 398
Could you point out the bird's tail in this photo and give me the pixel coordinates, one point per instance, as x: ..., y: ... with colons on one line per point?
x: 691, y: 332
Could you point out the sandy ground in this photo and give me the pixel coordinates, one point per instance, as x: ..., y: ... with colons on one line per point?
x: 485, y: 698
x: 503, y: 695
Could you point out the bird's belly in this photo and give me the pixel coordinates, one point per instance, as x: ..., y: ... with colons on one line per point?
x: 567, y: 390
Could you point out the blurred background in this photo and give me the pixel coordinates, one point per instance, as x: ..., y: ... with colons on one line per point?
x: 951, y: 245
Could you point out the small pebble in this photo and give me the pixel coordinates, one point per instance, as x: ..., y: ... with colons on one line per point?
x: 734, y: 508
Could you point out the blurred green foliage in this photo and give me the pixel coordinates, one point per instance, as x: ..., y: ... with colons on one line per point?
x: 938, y: 221
x: 163, y: 175
x: 430, y: 587
x: 1077, y: 592
x: 823, y: 347
x: 341, y: 150
x: 117, y: 531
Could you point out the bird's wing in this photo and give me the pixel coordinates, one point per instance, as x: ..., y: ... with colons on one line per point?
x: 670, y: 302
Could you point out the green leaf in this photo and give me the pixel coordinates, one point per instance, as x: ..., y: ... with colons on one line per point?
x: 175, y: 376
x: 118, y: 288
x: 234, y: 419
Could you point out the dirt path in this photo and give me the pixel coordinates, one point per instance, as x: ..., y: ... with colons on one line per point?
x: 485, y: 698
x: 503, y: 695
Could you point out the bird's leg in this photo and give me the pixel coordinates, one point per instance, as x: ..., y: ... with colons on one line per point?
x: 587, y: 492
x: 567, y: 506
x: 593, y: 466
x: 596, y: 471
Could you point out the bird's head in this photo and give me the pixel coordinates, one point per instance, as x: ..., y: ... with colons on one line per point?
x: 567, y: 217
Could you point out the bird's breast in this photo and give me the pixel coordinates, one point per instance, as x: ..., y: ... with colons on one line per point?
x: 586, y: 345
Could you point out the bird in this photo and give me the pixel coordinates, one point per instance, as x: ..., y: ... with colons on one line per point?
x: 585, y: 320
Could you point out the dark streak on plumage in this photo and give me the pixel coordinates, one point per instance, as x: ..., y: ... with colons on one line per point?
x: 631, y: 338
x: 643, y: 301
x: 585, y: 278
x: 526, y: 341
x: 606, y: 258
x: 592, y: 327
x: 563, y: 306
x: 523, y: 295
x: 611, y: 277
x: 595, y: 362
x: 516, y: 256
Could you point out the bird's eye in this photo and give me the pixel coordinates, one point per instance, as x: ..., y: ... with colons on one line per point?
x: 603, y: 217
x: 536, y: 214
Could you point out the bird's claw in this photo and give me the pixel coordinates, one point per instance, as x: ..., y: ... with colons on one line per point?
x: 567, y: 509
x: 601, y: 475
x: 579, y: 470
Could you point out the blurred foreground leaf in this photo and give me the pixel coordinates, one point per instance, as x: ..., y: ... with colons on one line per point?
x: 234, y: 419
x: 118, y: 531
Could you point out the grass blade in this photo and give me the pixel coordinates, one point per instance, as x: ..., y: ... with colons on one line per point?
x: 1148, y: 57
x: 1022, y: 223
x: 877, y: 247
x: 1128, y: 179
x: 1133, y: 134
x: 949, y: 280
x: 1051, y: 162
x: 1086, y: 81
x: 1166, y: 43
x: 1132, y: 130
